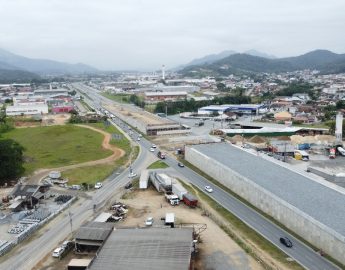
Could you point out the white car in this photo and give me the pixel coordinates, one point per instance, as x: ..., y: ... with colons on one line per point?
x: 153, y: 146
x: 132, y: 174
x: 138, y: 139
x: 208, y: 189
x: 149, y: 221
x: 98, y: 185
x: 152, y: 149
x: 58, y: 252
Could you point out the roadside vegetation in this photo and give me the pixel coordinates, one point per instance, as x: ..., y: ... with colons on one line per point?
x: 158, y: 165
x: 121, y: 98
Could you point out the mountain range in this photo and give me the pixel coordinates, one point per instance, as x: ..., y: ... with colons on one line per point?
x: 325, y: 61
x: 14, y: 66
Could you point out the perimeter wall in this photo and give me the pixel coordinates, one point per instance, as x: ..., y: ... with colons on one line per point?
x: 302, y: 224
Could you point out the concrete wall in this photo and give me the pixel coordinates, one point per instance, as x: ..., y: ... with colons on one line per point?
x: 313, y: 231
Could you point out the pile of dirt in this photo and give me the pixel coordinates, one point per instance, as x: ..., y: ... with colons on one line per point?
x: 257, y: 139
x: 236, y: 139
x: 283, y: 138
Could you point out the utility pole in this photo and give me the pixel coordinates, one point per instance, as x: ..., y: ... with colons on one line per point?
x: 166, y: 110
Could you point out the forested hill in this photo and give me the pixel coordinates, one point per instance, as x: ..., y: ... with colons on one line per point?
x: 322, y: 60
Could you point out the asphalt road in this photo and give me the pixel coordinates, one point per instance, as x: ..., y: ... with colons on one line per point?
x: 299, y: 252
x: 28, y: 255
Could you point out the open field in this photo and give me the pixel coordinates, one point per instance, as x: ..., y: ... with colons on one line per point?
x: 158, y: 165
x: 122, y: 98
x: 97, y: 173
x: 56, y: 146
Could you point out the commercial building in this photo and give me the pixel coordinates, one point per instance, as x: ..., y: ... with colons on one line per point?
x: 146, y: 249
x: 50, y: 93
x: 165, y: 96
x: 311, y: 209
x: 236, y: 108
x: 27, y: 109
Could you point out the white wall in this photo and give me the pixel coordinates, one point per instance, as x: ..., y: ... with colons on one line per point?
x: 313, y: 231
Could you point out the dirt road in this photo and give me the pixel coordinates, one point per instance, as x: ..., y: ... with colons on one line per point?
x: 117, y: 153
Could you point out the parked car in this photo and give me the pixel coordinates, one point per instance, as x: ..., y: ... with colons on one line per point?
x: 180, y: 164
x: 98, y: 185
x: 67, y: 244
x: 285, y: 241
x: 132, y: 174
x: 208, y: 189
x: 128, y: 185
x: 58, y: 252
x: 138, y: 139
x: 152, y: 149
x: 153, y: 146
x: 149, y: 221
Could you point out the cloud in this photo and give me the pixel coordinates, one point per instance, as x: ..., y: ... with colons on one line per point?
x: 136, y: 34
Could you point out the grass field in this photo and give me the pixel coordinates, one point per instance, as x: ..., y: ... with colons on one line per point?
x: 122, y: 143
x: 158, y: 165
x: 89, y: 175
x: 93, y: 174
x: 56, y: 146
x: 122, y: 98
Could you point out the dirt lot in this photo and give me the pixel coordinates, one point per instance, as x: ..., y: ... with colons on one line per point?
x: 139, y: 115
x: 217, y: 250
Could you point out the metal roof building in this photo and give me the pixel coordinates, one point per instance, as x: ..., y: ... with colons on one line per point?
x: 146, y: 249
x: 307, y: 195
x: 312, y: 209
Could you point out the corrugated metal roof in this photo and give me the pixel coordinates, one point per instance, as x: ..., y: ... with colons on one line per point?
x: 146, y: 249
x: 322, y: 203
x: 96, y: 231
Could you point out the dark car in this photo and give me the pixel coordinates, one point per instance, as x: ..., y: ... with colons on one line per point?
x: 285, y: 241
x: 180, y: 164
x: 129, y: 185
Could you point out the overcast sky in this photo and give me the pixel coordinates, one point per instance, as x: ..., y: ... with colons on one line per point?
x: 144, y: 34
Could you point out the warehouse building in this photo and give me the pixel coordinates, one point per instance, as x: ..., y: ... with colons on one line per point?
x: 27, y: 109
x: 312, y: 210
x: 146, y: 249
x: 153, y: 97
x: 235, y: 108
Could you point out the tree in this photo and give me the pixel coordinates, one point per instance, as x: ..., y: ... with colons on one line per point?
x: 340, y: 104
x: 221, y: 87
x: 331, y: 125
x: 11, y: 160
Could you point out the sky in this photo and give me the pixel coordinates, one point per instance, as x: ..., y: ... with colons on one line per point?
x: 144, y: 34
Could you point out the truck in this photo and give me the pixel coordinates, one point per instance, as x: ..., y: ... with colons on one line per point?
x: 190, y: 200
x: 161, y: 155
x: 178, y: 190
x: 172, y: 198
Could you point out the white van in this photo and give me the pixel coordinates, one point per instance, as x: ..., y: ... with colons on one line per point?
x: 58, y: 252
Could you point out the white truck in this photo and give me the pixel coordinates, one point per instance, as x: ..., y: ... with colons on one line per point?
x: 178, y: 190
x: 172, y: 198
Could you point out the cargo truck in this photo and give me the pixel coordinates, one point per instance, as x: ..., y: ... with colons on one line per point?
x: 190, y: 200
x: 178, y: 190
x: 172, y: 198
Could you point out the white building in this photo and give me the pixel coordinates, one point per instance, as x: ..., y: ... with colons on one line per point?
x: 27, y: 109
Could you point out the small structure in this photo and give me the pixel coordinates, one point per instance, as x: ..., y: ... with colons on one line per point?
x: 27, y: 196
x: 92, y: 236
x: 55, y: 174
x: 103, y: 217
x: 170, y: 220
x: 79, y: 264
x: 146, y: 249
x: 144, y: 179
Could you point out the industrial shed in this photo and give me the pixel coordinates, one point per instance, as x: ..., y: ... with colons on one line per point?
x: 146, y: 249
x: 91, y: 236
x: 314, y: 211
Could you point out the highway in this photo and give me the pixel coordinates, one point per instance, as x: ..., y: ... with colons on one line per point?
x: 303, y: 254
x: 27, y: 255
